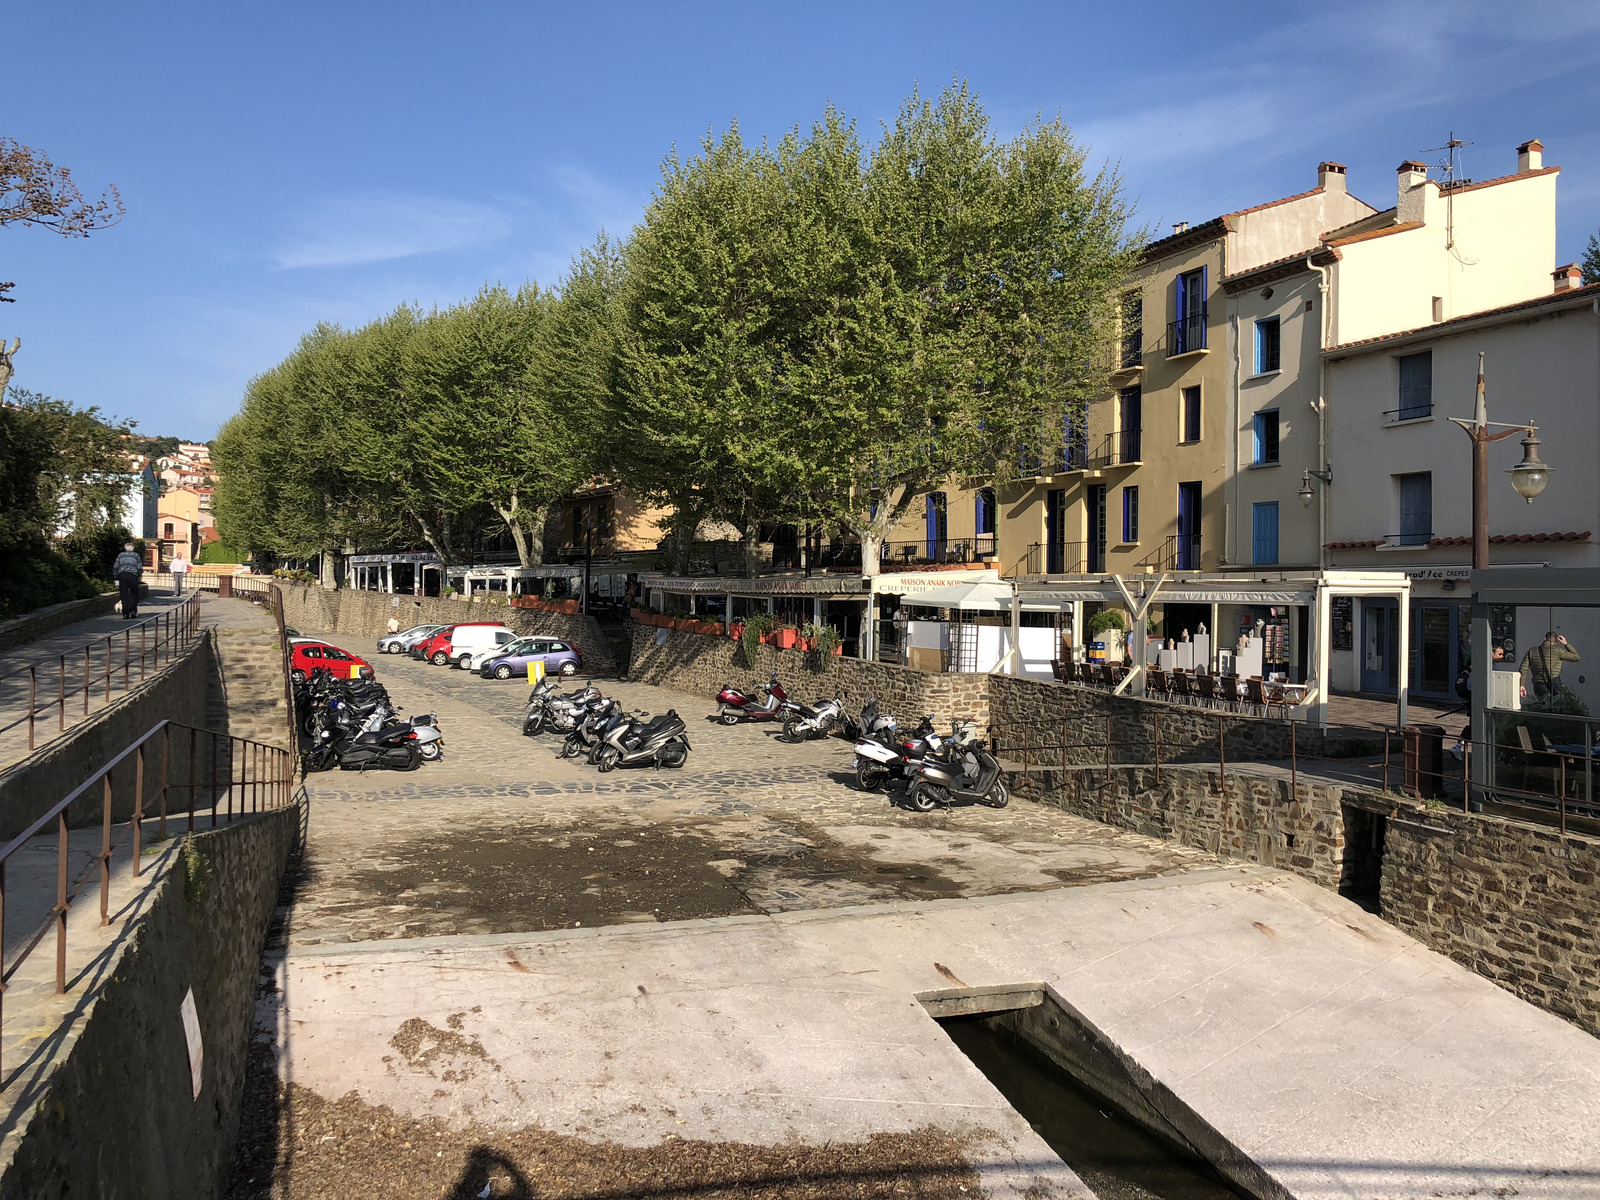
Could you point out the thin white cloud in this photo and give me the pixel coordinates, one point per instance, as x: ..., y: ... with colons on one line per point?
x: 379, y: 227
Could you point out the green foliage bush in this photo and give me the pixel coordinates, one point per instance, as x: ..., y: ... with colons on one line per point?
x: 93, y: 551
x: 1110, y: 618
x: 38, y: 578
x: 1564, y: 703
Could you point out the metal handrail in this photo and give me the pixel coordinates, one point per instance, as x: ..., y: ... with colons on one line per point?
x: 265, y: 782
x: 179, y: 623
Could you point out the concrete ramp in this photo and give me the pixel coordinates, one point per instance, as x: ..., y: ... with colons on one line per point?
x: 1337, y: 1054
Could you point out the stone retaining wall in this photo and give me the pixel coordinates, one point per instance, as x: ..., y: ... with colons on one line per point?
x: 701, y: 664
x: 365, y: 615
x: 178, y: 693
x: 1517, y: 903
x: 23, y: 629
x: 1513, y: 901
x: 1256, y: 820
x: 118, y: 1116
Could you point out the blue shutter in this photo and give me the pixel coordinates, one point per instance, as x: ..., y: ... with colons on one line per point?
x: 1264, y: 534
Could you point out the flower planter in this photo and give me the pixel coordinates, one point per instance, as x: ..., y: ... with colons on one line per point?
x: 736, y: 630
x: 806, y: 644
x: 838, y: 651
x: 785, y: 639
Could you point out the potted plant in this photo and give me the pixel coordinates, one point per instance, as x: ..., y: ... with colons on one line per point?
x: 786, y: 637
x: 756, y: 626
x: 821, y: 642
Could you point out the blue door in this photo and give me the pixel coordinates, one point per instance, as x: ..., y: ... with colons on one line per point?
x: 1055, y: 531
x: 1187, y: 552
x: 934, y: 527
x: 1380, y: 645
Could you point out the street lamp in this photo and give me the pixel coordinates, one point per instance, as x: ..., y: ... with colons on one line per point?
x: 1529, y: 476
x: 1306, y: 494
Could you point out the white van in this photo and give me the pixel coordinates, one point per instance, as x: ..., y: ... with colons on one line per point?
x: 468, y: 640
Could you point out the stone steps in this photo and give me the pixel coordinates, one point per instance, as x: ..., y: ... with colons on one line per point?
x: 244, y: 695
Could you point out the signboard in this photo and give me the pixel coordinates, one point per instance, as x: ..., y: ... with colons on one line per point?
x: 535, y: 670
x: 1343, y: 623
x: 1439, y: 573
x: 909, y: 585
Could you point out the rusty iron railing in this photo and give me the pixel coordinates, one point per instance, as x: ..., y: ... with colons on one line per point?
x: 236, y: 775
x: 125, y: 658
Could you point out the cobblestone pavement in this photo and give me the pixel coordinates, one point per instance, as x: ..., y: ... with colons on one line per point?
x: 505, y: 836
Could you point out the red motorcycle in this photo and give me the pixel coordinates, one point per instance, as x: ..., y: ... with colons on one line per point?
x: 734, y: 706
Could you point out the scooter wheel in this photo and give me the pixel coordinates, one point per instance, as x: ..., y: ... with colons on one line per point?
x: 609, y: 758
x: 870, y: 777
x: 673, y: 754
x: 533, y: 726
x: 998, y: 797
x: 728, y: 717
x: 924, y: 796
x: 432, y: 752
x: 569, y: 748
x: 791, y: 730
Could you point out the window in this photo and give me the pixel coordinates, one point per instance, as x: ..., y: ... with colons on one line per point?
x: 329, y: 652
x: 1187, y: 334
x: 1266, y: 437
x: 1416, y: 508
x: 168, y: 529
x: 1055, y: 531
x: 1130, y: 420
x: 1132, y: 329
x: 1267, y: 346
x: 1130, y: 514
x: 1191, y: 414
x: 1095, y: 503
x: 1264, y: 534
x: 311, y: 651
x: 983, y: 520
x: 1416, y: 386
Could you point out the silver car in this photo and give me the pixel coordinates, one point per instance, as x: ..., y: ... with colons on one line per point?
x: 401, y: 643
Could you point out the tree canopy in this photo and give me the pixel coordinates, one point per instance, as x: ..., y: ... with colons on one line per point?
x: 812, y: 330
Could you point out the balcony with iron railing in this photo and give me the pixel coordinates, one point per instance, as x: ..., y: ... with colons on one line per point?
x: 1043, y: 559
x: 1187, y: 335
x: 1177, y: 552
x: 1120, y: 449
x: 936, y: 551
x: 1414, y: 537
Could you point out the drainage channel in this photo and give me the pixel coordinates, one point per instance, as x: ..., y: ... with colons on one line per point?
x: 1115, y: 1157
x: 1125, y: 1134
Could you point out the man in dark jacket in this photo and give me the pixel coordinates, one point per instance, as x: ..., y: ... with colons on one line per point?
x: 127, y: 571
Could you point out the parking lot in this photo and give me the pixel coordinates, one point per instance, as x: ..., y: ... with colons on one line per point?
x: 505, y: 836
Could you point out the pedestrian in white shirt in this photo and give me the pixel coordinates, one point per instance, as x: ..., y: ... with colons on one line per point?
x: 179, y: 568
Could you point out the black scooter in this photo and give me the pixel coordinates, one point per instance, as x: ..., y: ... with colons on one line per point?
x: 663, y: 741
x: 392, y: 748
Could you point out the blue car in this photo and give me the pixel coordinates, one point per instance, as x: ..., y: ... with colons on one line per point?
x: 511, y: 660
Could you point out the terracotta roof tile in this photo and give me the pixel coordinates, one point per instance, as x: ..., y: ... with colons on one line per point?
x: 1402, y: 227
x: 1514, y: 539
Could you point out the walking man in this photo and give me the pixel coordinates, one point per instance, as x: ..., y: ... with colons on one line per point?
x: 179, y: 568
x: 1541, y: 666
x: 126, y: 570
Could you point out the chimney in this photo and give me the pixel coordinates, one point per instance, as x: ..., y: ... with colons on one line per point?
x: 1179, y: 227
x: 1568, y: 277
x: 1330, y: 176
x: 1530, y: 156
x: 1411, y: 205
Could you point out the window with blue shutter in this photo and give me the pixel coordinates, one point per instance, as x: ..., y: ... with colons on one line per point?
x: 1130, y: 514
x: 1416, y: 508
x: 1416, y: 386
x: 1268, y: 346
x: 1264, y: 534
x: 1187, y: 333
x: 1266, y: 437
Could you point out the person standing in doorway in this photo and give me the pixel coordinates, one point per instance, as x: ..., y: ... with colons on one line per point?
x: 127, y: 570
x: 179, y: 568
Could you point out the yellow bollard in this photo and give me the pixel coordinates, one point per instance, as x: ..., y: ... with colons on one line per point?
x: 535, y: 671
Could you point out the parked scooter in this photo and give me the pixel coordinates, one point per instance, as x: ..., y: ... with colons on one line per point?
x: 585, y: 735
x: 394, y: 748
x: 884, y: 755
x: 734, y: 705
x: 959, y: 769
x: 663, y: 742
x: 804, y: 722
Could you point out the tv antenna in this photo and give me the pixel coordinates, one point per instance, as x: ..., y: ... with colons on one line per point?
x: 1450, y: 170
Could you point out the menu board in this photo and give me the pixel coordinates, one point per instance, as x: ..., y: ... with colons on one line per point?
x: 1344, y: 623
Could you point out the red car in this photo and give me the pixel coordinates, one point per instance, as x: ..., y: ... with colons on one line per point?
x: 307, y: 655
x: 440, y: 648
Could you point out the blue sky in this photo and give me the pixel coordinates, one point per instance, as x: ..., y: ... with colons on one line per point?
x: 289, y: 163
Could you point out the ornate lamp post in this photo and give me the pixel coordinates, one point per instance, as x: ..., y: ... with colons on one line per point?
x: 1529, y: 476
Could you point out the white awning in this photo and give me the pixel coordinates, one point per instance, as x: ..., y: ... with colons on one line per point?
x: 987, y: 597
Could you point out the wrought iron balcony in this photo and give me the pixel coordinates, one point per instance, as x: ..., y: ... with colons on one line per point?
x: 1187, y: 334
